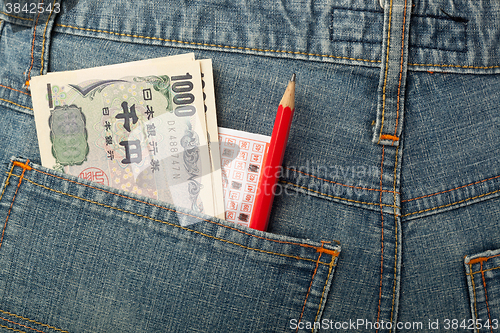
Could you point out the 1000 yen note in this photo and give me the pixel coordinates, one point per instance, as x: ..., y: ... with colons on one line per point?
x: 213, y: 134
x: 140, y: 128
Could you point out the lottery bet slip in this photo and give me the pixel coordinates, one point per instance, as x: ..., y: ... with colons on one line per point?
x: 142, y: 127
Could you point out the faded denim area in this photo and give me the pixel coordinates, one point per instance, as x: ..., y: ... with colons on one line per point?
x: 387, y: 211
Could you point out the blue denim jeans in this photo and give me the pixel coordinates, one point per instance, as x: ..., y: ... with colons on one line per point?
x: 387, y: 217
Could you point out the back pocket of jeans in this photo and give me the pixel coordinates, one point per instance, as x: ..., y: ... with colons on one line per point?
x: 84, y: 257
x: 483, y: 278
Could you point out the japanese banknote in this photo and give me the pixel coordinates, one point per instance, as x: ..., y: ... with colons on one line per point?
x: 143, y: 127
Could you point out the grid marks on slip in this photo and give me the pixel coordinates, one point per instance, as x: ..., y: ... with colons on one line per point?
x: 242, y: 156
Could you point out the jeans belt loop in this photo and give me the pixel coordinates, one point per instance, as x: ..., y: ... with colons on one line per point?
x: 394, y: 62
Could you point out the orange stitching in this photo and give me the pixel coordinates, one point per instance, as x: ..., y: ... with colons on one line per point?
x: 321, y: 249
x: 486, y: 295
x: 32, y: 321
x: 217, y: 45
x: 389, y: 137
x: 22, y: 92
x: 400, y: 72
x: 386, y: 70
x: 457, y: 66
x: 22, y: 165
x: 478, y: 260
x: 396, y: 236
x: 13, y: 329
x: 324, y: 289
x: 33, y: 47
x: 496, y: 255
x: 12, y: 203
x: 178, y: 226
x: 331, y: 252
x: 252, y: 49
x: 481, y: 259
x: 473, y: 292
x: 18, y: 17
x: 6, y: 100
x: 451, y: 204
x: 13, y: 322
x: 382, y: 233
x: 6, y: 181
x: 330, y: 181
x: 309, y: 290
x: 43, y: 42
x: 172, y: 210
x: 486, y: 270
x: 456, y: 188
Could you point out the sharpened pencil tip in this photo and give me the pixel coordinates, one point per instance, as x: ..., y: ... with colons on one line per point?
x: 293, y: 77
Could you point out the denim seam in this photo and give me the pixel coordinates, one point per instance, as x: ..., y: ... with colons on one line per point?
x: 482, y: 259
x: 215, y: 45
x: 381, y: 235
x: 398, y: 106
x: 43, y: 40
x: 33, y: 47
x: 473, y: 292
x: 14, y: 16
x: 26, y: 166
x: 324, y: 289
x: 262, y: 50
x: 13, y: 322
x: 12, y: 329
x: 456, y: 188
x: 178, y: 226
x: 450, y: 204
x: 175, y: 211
x: 386, y: 70
x: 309, y: 290
x: 496, y: 255
x: 485, y: 270
x: 456, y: 66
x: 334, y: 197
x: 396, y: 237
x: 33, y: 321
x: 7, y: 181
x: 486, y: 295
x: 22, y: 92
x: 22, y: 106
x: 331, y: 181
x: 254, y: 49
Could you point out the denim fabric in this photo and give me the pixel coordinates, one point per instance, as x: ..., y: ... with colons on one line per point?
x: 484, y: 287
x: 387, y: 217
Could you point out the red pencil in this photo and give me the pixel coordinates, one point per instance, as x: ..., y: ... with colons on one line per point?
x: 274, y: 159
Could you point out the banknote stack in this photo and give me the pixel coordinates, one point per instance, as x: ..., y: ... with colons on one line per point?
x: 147, y: 127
